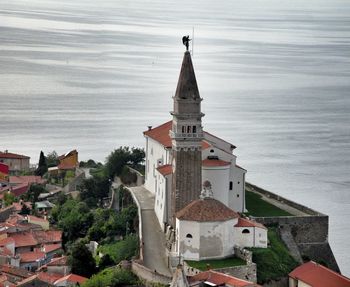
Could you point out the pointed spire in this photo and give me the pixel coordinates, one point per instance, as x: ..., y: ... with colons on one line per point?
x: 187, y: 85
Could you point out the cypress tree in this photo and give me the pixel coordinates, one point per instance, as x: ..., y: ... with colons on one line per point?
x: 42, y: 167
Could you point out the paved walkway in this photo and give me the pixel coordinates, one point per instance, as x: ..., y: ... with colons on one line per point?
x: 152, y: 235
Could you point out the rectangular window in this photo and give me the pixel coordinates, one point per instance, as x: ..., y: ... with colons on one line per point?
x: 183, y: 129
x: 188, y: 129
x: 194, y: 129
x: 231, y: 185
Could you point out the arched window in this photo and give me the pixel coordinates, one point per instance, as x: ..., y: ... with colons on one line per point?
x: 245, y: 231
x: 189, y: 235
x: 211, y: 151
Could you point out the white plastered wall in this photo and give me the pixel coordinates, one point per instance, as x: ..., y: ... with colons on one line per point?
x: 156, y: 155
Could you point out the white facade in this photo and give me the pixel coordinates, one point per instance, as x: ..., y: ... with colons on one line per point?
x: 156, y: 155
x: 205, y: 240
x: 228, y: 181
x: 163, y: 184
x: 297, y: 283
x: 250, y: 237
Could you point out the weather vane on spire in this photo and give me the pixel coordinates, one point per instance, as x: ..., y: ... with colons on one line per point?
x: 186, y: 41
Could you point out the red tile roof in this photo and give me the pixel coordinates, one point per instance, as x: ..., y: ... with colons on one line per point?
x: 12, y: 155
x: 165, y: 169
x: 161, y: 135
x: 47, y: 248
x: 20, y: 189
x: 243, y: 222
x: 208, y: 209
x: 32, y: 256
x: 7, y: 240
x: 59, y: 261
x: 48, y: 236
x: 49, y: 277
x: 317, y: 275
x: 220, y: 279
x: 28, y: 179
x: 66, y: 166
x: 16, y: 271
x: 24, y: 239
x: 215, y: 162
x: 72, y: 278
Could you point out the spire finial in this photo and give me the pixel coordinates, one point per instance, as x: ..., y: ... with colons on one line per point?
x: 186, y: 41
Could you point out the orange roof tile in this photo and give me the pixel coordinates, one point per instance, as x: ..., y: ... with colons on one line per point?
x: 215, y: 162
x: 165, y: 169
x: 7, y: 240
x: 161, y: 135
x: 243, y: 222
x: 66, y: 166
x: 47, y: 248
x: 32, y: 256
x: 24, y: 239
x: 48, y: 236
x: 49, y: 277
x: 72, y: 278
x: 317, y: 275
x: 9, y: 269
x: 12, y: 155
x: 59, y: 261
x: 207, y: 209
x: 220, y: 279
x: 28, y: 179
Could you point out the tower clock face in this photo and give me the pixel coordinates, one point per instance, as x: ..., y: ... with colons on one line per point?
x: 174, y: 165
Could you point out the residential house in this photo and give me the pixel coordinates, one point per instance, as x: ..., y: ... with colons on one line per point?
x: 16, y: 162
x: 312, y: 274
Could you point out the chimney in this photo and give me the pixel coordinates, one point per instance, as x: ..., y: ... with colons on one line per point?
x: 149, y: 127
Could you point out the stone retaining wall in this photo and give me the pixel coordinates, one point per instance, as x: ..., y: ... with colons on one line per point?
x: 148, y: 275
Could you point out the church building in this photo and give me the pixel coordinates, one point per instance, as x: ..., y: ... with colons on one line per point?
x: 189, y: 169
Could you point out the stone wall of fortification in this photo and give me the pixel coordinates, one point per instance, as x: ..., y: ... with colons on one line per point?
x: 308, y: 233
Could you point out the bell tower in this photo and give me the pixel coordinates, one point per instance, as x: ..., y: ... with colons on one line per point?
x: 186, y: 137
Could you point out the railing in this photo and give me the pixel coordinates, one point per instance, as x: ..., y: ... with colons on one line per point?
x: 185, y: 135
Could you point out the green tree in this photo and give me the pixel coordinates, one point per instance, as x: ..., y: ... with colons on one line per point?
x: 9, y: 198
x: 121, y: 157
x: 52, y: 159
x: 106, y: 261
x: 74, y: 218
x: 112, y: 277
x: 81, y: 260
x: 93, y: 190
x: 33, y: 193
x: 42, y: 167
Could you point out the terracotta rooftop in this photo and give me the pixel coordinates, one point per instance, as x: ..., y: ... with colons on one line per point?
x: 215, y: 162
x: 47, y: 248
x: 27, y: 179
x: 67, y: 154
x: 165, y: 169
x: 317, y: 275
x: 48, y: 236
x: 16, y: 271
x: 66, y: 166
x: 32, y: 256
x: 72, y: 278
x: 161, y: 135
x: 24, y: 239
x: 220, y: 279
x: 59, y: 261
x: 49, y: 277
x: 208, y: 209
x: 243, y: 222
x: 20, y: 189
x: 13, y: 155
